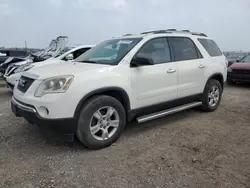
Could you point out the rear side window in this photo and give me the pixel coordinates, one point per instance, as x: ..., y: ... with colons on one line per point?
x: 211, y: 47
x: 183, y: 48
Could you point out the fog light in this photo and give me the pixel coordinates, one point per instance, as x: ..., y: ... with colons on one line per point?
x: 43, y: 111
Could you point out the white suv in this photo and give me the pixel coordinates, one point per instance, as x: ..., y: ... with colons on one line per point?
x: 141, y: 77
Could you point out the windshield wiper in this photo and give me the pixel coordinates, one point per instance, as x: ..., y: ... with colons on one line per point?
x: 87, y: 61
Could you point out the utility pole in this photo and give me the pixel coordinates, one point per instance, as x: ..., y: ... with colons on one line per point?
x: 25, y: 44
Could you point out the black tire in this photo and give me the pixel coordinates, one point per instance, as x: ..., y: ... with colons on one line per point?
x: 205, y: 99
x: 230, y: 82
x: 84, y: 120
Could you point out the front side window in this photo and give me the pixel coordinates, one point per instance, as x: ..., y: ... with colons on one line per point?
x: 183, y: 48
x: 109, y: 52
x: 246, y: 58
x: 211, y: 47
x: 157, y: 50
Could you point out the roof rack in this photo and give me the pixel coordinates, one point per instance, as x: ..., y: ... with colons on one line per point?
x: 199, y: 34
x: 127, y: 35
x: 172, y: 31
x: 185, y: 30
x: 160, y: 31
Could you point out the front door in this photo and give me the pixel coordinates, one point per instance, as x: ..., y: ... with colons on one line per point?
x: 157, y: 83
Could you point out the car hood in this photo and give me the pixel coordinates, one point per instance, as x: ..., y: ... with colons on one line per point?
x: 61, y: 68
x: 245, y: 65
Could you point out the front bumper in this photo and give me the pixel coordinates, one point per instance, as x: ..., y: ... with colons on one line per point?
x: 59, y: 129
x: 238, y: 77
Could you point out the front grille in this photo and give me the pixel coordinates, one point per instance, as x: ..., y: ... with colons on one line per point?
x: 240, y: 71
x: 24, y: 83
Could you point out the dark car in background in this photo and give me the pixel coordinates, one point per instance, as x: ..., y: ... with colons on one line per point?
x: 16, y: 53
x: 5, y: 53
x: 234, y: 56
x: 239, y: 71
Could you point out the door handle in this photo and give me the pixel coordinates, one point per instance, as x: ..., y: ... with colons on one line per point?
x: 171, y: 70
x: 202, y: 66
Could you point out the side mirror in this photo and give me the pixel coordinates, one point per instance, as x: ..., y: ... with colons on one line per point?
x: 141, y: 61
x: 69, y: 57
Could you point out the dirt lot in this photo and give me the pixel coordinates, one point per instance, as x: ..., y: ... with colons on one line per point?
x: 189, y: 149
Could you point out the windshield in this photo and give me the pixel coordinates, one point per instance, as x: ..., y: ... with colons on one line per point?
x: 109, y: 52
x: 246, y: 58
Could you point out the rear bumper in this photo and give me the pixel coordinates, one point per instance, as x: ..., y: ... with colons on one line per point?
x: 58, y: 129
x: 238, y: 77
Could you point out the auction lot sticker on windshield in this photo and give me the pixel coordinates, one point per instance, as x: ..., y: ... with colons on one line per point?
x: 125, y: 42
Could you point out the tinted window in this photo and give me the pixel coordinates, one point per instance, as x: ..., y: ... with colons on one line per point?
x: 211, y: 47
x: 156, y: 49
x: 183, y: 49
x: 109, y: 52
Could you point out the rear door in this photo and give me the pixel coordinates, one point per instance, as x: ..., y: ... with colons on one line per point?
x: 216, y: 61
x: 191, y: 66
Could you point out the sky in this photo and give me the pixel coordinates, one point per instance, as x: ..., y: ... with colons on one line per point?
x: 92, y: 21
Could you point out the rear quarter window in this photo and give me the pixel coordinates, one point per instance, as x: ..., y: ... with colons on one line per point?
x: 211, y: 47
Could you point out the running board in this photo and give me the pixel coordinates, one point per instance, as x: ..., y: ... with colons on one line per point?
x: 167, y: 112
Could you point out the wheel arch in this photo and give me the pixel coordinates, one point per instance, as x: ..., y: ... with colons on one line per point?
x: 116, y: 92
x: 217, y: 76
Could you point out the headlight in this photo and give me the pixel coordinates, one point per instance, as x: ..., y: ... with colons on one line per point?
x: 24, y: 67
x: 229, y: 69
x: 57, y: 84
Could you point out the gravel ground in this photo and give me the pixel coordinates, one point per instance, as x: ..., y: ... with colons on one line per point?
x: 188, y: 149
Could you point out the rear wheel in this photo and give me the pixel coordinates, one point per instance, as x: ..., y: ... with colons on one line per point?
x: 211, y: 96
x: 101, y: 122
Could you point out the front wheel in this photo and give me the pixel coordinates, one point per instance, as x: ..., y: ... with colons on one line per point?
x: 211, y: 96
x: 101, y: 122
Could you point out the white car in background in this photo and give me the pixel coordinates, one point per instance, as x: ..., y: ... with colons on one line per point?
x: 14, y: 72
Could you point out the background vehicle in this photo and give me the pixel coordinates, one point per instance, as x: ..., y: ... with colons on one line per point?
x: 234, y: 56
x: 14, y: 71
x: 143, y: 76
x: 9, y: 55
x: 239, y: 71
x: 55, y: 47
